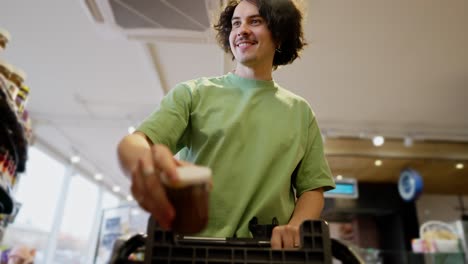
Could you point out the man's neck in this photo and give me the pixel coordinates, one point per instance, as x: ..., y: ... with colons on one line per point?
x: 256, y: 73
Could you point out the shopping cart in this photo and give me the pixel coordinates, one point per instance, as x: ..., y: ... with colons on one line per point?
x: 160, y: 246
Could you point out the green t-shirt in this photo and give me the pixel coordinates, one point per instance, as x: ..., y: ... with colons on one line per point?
x: 261, y: 141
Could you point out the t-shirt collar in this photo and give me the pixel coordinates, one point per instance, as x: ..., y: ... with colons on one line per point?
x: 250, y: 83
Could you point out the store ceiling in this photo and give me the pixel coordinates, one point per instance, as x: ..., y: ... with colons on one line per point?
x: 436, y: 162
x: 395, y: 68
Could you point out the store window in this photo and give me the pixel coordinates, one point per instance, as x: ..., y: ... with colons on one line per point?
x: 38, y: 191
x: 78, y: 219
x: 124, y: 221
x: 109, y: 200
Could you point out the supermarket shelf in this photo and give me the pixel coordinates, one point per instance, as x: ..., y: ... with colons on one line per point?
x: 12, y: 137
x: 13, y: 130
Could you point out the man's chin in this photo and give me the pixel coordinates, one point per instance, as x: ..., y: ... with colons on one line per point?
x: 247, y: 60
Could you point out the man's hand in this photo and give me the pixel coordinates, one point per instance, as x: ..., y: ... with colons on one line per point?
x: 308, y: 206
x: 144, y: 162
x: 285, y: 236
x: 147, y: 187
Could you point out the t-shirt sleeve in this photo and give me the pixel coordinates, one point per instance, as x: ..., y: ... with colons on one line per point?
x: 169, y: 122
x: 314, y: 171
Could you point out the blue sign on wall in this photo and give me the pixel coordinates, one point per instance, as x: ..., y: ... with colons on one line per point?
x: 410, y: 185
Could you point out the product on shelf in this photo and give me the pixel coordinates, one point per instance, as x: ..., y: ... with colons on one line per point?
x: 22, y: 98
x: 4, y: 163
x: 7, y: 167
x: 3, y: 158
x: 5, y: 70
x: 6, y: 84
x: 12, y: 83
x: 4, y: 38
x: 18, y: 90
x: 26, y: 121
x: 17, y: 78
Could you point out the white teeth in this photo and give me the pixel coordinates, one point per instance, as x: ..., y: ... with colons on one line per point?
x: 243, y: 44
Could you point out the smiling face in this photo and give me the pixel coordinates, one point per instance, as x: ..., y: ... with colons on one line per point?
x: 250, y: 39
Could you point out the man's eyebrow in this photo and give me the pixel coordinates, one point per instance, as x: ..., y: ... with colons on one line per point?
x: 252, y: 16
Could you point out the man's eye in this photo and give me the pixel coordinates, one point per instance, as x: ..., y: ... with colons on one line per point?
x: 235, y: 23
x: 256, y: 21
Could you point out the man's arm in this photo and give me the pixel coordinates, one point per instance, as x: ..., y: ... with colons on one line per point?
x: 308, y: 206
x: 143, y: 162
x: 131, y: 148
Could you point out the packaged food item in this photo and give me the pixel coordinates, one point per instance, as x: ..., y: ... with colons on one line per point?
x: 11, y: 171
x: 7, y: 86
x: 190, y: 198
x: 5, y: 167
x: 22, y: 98
x: 5, y: 37
x: 438, y: 237
x: 17, y: 77
x: 12, y: 82
x: 3, y: 159
x: 26, y: 122
x: 5, y: 70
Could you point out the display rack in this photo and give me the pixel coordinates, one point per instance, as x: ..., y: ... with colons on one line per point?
x: 14, y: 131
x: 12, y: 138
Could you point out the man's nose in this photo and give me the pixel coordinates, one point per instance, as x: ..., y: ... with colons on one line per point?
x: 243, y: 30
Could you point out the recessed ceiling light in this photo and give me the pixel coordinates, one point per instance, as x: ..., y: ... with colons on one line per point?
x: 378, y: 141
x: 339, y: 177
x: 98, y: 176
x: 116, y: 189
x: 459, y: 166
x: 131, y: 130
x: 75, y: 159
x: 129, y: 198
x: 378, y: 163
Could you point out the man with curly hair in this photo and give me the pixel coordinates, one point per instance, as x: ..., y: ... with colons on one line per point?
x: 261, y: 141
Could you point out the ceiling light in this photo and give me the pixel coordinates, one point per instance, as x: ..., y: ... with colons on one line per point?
x: 378, y: 141
x: 408, y: 142
x: 131, y: 130
x: 339, y: 177
x: 129, y: 198
x: 75, y: 159
x: 98, y: 176
x: 116, y: 189
x: 378, y: 163
x: 459, y: 166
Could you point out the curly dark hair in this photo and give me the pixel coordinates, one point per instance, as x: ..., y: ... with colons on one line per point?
x: 283, y: 19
